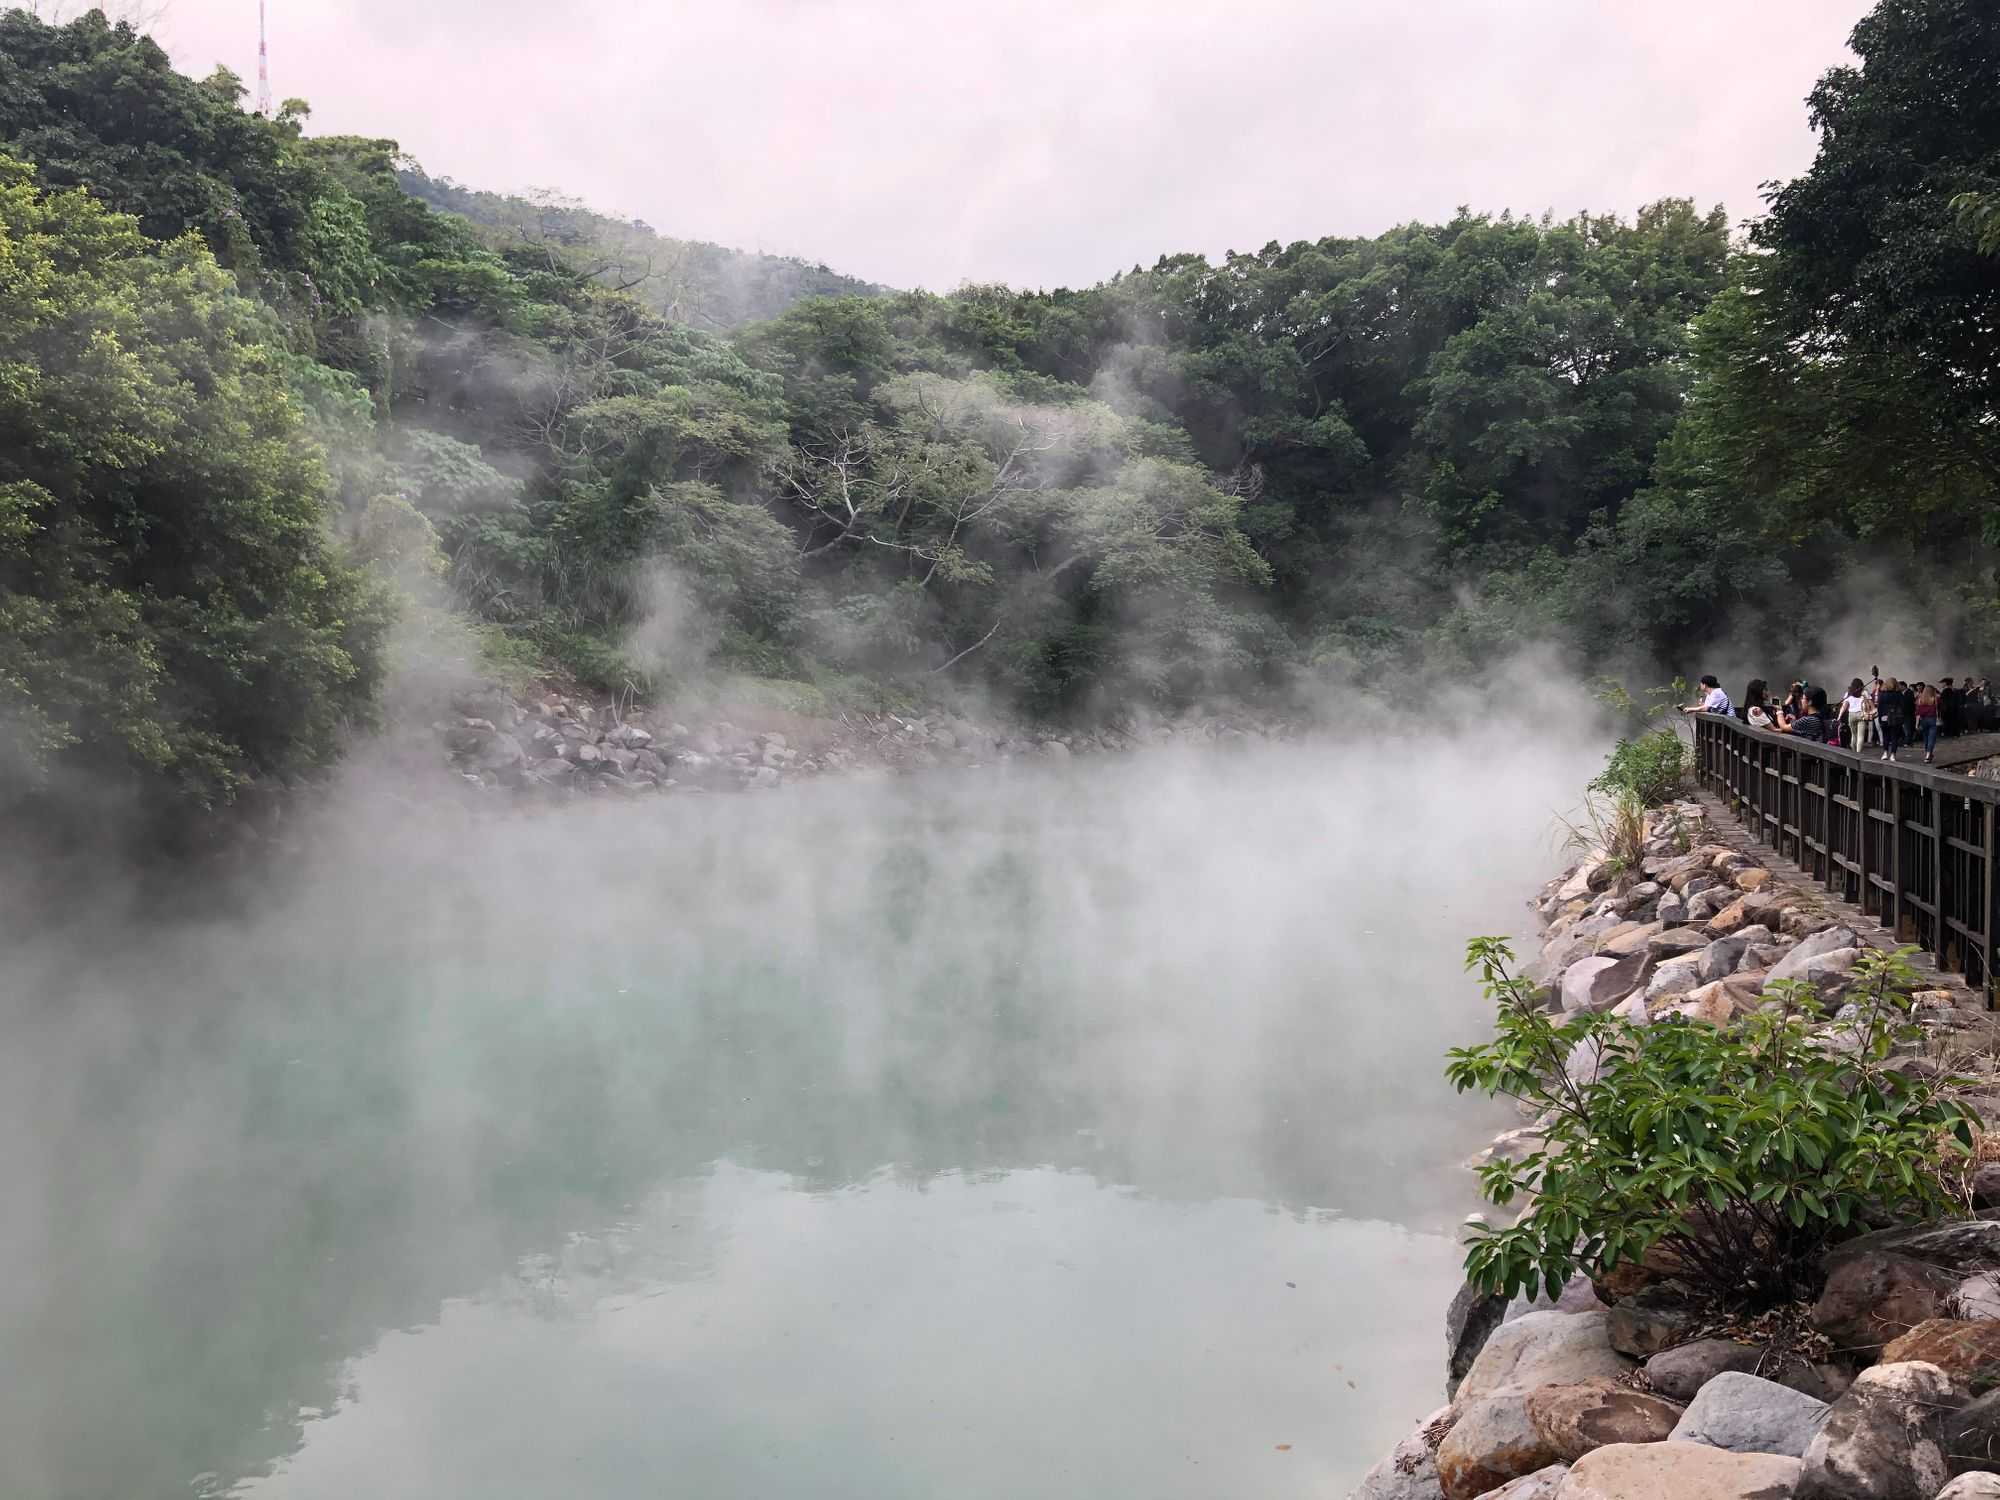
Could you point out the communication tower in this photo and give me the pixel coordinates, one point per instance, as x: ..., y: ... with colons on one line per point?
x: 263, y: 67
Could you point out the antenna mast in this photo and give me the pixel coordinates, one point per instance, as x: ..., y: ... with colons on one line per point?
x: 263, y: 67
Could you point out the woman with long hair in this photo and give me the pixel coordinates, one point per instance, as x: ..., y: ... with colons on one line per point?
x: 1928, y: 705
x: 1854, y: 714
x: 1756, y: 708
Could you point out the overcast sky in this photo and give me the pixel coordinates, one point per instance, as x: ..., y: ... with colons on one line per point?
x: 1047, y: 142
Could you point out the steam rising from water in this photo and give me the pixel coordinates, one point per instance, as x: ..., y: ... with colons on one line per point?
x: 638, y: 1111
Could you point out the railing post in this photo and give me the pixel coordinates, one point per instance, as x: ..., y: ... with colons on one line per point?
x: 1939, y: 921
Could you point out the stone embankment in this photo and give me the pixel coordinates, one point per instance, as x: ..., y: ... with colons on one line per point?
x: 568, y: 745
x: 1886, y: 1388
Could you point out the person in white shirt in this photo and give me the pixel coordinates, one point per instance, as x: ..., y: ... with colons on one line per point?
x: 1855, y: 708
x: 1714, y: 700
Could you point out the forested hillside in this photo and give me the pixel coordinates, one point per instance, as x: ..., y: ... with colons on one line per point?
x: 262, y: 388
x: 690, y: 281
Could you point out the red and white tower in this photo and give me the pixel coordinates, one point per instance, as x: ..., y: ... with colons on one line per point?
x: 263, y: 67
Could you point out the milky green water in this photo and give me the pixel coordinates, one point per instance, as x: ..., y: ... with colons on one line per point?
x: 1002, y: 1135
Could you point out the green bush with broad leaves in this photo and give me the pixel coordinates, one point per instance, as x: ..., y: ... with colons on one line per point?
x: 1741, y: 1152
x: 1649, y: 769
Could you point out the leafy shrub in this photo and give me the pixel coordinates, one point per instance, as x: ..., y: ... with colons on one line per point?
x: 1741, y: 1152
x: 1648, y: 769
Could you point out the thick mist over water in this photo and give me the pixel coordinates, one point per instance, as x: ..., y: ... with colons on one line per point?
x: 1018, y: 1132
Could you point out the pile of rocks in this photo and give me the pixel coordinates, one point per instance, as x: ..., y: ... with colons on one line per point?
x: 1700, y: 934
x: 566, y: 744
x: 1580, y: 1401
x: 1616, y: 1388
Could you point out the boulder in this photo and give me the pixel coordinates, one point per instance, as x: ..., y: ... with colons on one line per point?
x: 1636, y: 938
x: 1678, y: 1373
x: 1962, y: 1245
x: 1968, y: 1351
x: 1823, y: 968
x: 1885, y: 1439
x: 1972, y: 1436
x: 1825, y: 940
x: 1755, y: 878
x: 1597, y: 984
x: 1540, y: 1485
x: 1745, y: 1414
x: 1703, y: 905
x: 1727, y: 920
x: 1468, y: 1323
x: 1577, y: 1296
x: 1648, y: 1321
x: 1711, y: 1004
x: 1577, y: 886
x: 1544, y: 1348
x: 1674, y: 941
x: 1972, y: 1487
x: 1491, y: 1442
x: 1574, y: 1419
x: 1978, y: 1296
x: 1724, y: 956
x: 1803, y: 921
x: 1674, y: 976
x: 1672, y: 908
x: 1678, y: 1471
x: 1410, y: 1470
x: 1873, y: 1296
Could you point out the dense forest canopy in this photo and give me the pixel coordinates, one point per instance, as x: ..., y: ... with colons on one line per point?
x: 269, y: 381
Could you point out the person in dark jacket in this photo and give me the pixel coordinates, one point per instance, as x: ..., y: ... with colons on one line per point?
x: 1894, y: 708
x: 1813, y: 724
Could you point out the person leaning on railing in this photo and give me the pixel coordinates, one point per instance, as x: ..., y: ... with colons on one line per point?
x: 1814, y: 723
x: 1713, y: 699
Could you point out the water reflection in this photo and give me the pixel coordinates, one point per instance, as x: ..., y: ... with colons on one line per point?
x: 900, y: 1137
x: 738, y: 1337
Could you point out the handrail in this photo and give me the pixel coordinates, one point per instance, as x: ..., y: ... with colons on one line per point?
x: 1911, y: 846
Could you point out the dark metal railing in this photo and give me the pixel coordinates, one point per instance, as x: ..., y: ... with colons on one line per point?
x: 1911, y: 846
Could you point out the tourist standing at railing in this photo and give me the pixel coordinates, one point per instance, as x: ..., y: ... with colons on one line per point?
x: 1755, y: 709
x: 1951, y: 708
x: 1929, y: 702
x: 1713, y: 699
x: 1856, y: 713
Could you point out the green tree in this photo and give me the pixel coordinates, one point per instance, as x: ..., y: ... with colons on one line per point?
x: 170, y: 598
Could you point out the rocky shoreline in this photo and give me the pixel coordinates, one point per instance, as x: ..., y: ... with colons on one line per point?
x: 568, y: 744
x: 1887, y: 1387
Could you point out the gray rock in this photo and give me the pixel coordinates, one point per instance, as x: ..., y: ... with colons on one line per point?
x: 1648, y: 1321
x: 1680, y: 1372
x: 1723, y: 957
x: 1597, y: 984
x: 1744, y: 1414
x: 1410, y: 1470
x: 1491, y: 1442
x: 1468, y: 1323
x: 1827, y: 940
x: 1678, y: 1471
x: 1675, y: 941
x: 1978, y: 1296
x: 1885, y: 1439
x: 1963, y: 1245
x: 1706, y: 903
x: 1544, y: 1348
x: 1972, y: 1436
x: 1672, y: 909
x: 1055, y: 750
x: 1540, y: 1485
x: 1675, y: 976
